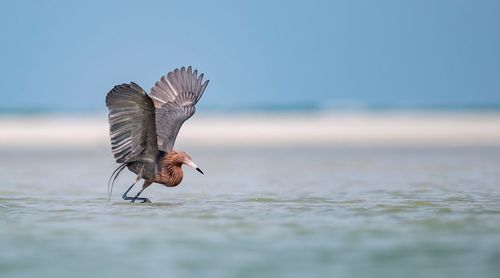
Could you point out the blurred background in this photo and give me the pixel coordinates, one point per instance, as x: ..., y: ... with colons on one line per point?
x: 63, y: 57
x: 351, y: 138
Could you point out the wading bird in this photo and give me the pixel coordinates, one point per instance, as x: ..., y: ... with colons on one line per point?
x: 143, y: 128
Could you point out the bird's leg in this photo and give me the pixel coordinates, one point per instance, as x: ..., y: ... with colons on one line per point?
x: 136, y: 198
x: 124, y: 196
x: 144, y: 200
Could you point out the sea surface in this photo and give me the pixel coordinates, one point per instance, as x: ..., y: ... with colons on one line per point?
x: 335, y: 212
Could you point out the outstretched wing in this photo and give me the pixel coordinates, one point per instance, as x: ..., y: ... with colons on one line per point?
x: 175, y: 97
x: 132, y: 124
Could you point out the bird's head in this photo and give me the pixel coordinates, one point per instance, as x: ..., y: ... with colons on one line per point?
x: 184, y: 158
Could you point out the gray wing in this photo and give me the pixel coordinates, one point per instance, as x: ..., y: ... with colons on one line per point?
x: 175, y: 97
x: 132, y: 127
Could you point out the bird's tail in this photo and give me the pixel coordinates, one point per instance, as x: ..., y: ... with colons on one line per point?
x: 113, y: 177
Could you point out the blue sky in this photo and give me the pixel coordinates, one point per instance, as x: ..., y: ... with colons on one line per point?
x: 66, y: 55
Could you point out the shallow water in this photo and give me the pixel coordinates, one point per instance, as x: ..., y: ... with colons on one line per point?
x: 256, y: 213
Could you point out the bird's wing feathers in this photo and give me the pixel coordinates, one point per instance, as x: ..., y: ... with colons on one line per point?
x: 175, y: 96
x: 132, y: 125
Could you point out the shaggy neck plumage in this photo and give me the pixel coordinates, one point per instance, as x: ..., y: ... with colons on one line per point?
x: 171, y: 172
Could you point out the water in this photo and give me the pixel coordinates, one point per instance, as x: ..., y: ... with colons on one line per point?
x: 256, y: 213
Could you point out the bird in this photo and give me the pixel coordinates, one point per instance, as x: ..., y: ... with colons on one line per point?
x: 143, y: 128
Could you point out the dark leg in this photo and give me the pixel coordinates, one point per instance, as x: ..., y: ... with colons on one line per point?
x: 136, y: 198
x: 124, y: 196
x: 144, y: 200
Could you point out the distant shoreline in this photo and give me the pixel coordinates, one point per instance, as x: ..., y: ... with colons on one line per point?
x: 302, y: 107
x: 383, y: 129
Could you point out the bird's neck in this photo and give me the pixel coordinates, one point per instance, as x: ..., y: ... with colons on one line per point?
x: 171, y: 173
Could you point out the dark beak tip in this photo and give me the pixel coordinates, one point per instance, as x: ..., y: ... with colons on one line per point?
x: 199, y: 170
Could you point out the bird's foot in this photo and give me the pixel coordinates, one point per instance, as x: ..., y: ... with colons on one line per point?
x: 143, y: 200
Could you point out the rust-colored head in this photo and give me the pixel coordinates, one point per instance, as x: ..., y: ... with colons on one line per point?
x: 181, y: 157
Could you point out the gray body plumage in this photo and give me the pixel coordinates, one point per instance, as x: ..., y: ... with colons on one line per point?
x: 144, y: 127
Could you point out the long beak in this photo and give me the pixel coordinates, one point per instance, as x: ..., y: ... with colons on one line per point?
x: 194, y: 166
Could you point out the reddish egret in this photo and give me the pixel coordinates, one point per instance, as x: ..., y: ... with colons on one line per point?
x: 143, y: 128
